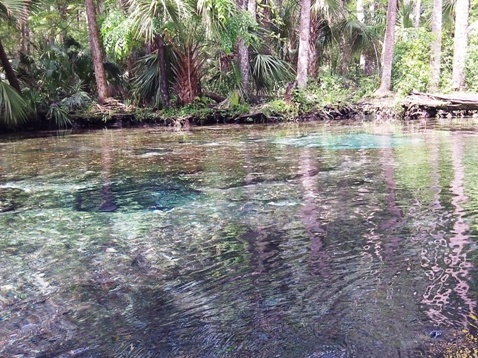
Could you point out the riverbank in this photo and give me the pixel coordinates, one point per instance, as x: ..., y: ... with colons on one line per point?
x: 115, y: 114
x: 391, y: 108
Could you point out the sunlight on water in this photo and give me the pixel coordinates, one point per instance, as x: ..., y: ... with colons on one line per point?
x: 349, y: 141
x: 241, y: 242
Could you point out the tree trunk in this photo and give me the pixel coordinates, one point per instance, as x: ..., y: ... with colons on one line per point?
x: 388, y: 48
x: 344, y: 56
x: 252, y: 8
x: 243, y: 57
x: 372, y: 62
x: 304, y: 38
x: 25, y: 38
x: 361, y: 19
x: 163, y: 83
x: 9, y: 72
x: 313, y: 66
x: 417, y: 15
x: 460, y: 50
x: 437, y: 15
x: 62, y: 11
x: 188, y: 73
x: 96, y: 52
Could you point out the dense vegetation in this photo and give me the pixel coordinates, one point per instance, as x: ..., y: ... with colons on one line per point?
x: 177, y: 56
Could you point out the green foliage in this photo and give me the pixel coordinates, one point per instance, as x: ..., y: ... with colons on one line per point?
x: 472, y: 62
x: 15, y: 10
x: 411, y: 69
x: 289, y: 111
x: 216, y: 16
x: 59, y: 114
x: 117, y: 31
x: 56, y: 20
x: 77, y: 101
x: 13, y: 108
x: 149, y: 16
x: 269, y: 72
x: 147, y: 81
x: 200, y: 108
x: 332, y: 88
x: 446, y: 84
x: 239, y: 26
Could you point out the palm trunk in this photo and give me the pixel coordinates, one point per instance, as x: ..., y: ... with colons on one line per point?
x: 462, y: 9
x: 25, y: 38
x: 243, y: 57
x: 361, y: 19
x: 388, y: 49
x: 436, y: 45
x: 304, y: 38
x: 251, y: 7
x: 313, y: 66
x: 344, y: 56
x: 418, y: 11
x: 163, y: 83
x: 96, y: 52
x: 9, y: 73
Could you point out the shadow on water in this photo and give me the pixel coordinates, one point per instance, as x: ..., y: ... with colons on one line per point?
x: 135, y: 196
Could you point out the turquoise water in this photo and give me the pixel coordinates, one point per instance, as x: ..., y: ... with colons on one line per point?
x: 349, y: 141
x: 279, y: 241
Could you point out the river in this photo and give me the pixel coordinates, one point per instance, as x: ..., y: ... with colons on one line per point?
x: 305, y: 240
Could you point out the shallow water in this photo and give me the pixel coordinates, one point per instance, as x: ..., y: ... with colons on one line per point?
x: 287, y: 241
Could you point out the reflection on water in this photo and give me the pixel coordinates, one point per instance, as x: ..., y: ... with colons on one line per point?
x: 310, y: 241
x: 449, y: 273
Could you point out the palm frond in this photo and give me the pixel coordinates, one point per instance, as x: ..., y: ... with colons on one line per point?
x: 149, y: 15
x: 329, y: 9
x: 59, y: 114
x: 17, y: 9
x: 77, y: 101
x: 448, y: 12
x: 362, y: 38
x: 147, y: 81
x: 215, y: 14
x: 405, y: 14
x: 269, y: 71
x: 13, y: 108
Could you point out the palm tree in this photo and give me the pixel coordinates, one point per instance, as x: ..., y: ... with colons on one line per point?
x: 321, y: 23
x: 150, y: 18
x: 188, y: 67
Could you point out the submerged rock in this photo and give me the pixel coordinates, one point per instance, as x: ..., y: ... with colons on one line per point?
x: 435, y: 333
x: 331, y: 352
x: 11, y: 199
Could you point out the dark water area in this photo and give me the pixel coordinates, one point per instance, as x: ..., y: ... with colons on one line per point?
x: 305, y: 241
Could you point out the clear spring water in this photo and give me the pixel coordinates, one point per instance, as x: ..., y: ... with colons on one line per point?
x: 290, y: 241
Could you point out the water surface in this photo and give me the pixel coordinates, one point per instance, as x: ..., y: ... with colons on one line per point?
x: 288, y: 241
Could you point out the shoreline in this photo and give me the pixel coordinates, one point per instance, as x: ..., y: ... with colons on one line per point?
x: 393, y: 108
x: 416, y: 106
